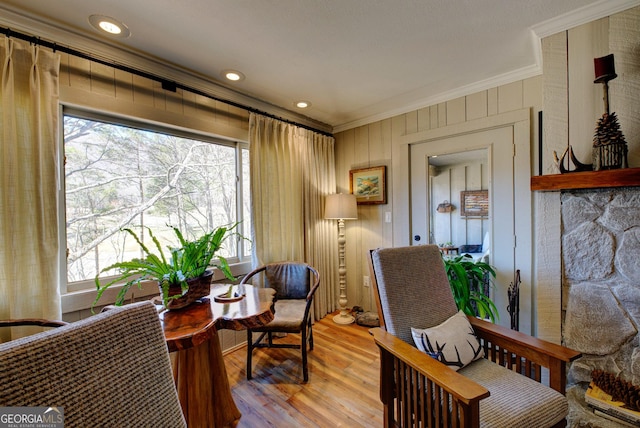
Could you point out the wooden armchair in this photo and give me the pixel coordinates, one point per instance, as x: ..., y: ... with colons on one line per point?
x: 503, y: 389
x: 295, y: 284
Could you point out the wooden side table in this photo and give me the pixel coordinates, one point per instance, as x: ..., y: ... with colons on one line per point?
x: 199, y: 371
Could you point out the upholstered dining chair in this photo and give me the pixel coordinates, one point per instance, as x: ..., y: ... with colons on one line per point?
x: 295, y: 284
x: 109, y: 370
x: 469, y: 372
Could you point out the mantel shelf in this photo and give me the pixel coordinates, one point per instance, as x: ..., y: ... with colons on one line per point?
x: 626, y: 177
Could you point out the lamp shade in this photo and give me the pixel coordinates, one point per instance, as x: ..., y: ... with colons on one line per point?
x: 341, y: 206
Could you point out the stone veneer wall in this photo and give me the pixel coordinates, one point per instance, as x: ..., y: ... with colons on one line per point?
x: 601, y: 289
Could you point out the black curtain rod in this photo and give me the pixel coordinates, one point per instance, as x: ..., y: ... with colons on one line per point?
x: 166, y: 84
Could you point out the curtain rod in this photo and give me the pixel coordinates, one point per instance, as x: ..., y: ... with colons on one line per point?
x: 166, y: 84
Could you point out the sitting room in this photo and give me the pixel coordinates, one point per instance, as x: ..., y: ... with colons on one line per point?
x: 296, y: 150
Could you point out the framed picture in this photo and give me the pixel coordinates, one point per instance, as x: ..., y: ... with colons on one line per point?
x: 369, y: 185
x: 474, y: 203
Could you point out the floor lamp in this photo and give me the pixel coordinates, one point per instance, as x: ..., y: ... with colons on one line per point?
x: 341, y: 207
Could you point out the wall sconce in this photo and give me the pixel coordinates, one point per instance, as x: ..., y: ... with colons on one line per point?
x: 341, y: 207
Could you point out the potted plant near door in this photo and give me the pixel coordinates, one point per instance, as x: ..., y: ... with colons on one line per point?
x: 183, y: 277
x: 468, y: 280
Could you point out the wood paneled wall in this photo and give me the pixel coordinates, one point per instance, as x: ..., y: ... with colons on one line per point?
x: 572, y: 104
x: 380, y: 143
x: 89, y: 85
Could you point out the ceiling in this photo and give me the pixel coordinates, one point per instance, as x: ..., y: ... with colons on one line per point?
x: 356, y: 61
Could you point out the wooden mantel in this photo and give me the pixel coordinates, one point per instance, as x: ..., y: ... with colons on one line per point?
x: 625, y: 177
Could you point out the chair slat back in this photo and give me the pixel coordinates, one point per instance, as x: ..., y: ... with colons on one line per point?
x: 412, y: 289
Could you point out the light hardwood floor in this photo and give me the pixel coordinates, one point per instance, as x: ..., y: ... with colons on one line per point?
x: 342, y: 388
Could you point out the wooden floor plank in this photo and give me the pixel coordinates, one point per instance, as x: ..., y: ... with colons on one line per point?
x: 342, y: 389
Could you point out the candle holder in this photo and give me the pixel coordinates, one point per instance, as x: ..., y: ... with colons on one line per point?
x: 609, y: 146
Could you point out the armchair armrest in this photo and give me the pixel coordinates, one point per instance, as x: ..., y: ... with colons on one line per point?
x: 459, y: 386
x: 524, y: 353
x: 405, y: 372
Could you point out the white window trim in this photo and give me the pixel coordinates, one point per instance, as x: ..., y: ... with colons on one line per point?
x: 84, y: 296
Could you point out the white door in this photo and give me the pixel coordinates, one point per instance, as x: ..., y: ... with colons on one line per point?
x: 499, y: 145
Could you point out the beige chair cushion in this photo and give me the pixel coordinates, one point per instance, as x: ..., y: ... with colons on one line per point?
x: 289, y: 316
x: 516, y: 401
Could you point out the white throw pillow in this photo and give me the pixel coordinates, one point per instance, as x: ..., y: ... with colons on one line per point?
x: 453, y: 342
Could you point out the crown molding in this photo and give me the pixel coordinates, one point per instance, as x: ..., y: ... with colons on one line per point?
x: 483, y: 85
x: 24, y: 22
x: 582, y: 15
x: 564, y: 22
x: 118, y: 54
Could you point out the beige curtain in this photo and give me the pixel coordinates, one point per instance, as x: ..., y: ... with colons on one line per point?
x: 28, y: 182
x: 292, y: 169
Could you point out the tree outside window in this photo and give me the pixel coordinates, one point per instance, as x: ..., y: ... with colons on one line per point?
x: 119, y: 176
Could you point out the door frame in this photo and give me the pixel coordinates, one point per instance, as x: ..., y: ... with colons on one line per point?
x: 520, y: 122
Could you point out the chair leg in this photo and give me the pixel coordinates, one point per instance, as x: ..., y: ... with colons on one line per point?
x: 310, y: 335
x: 249, y: 352
x: 305, y: 371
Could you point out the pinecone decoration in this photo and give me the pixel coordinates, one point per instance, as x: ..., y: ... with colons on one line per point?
x: 608, y: 131
x: 619, y: 389
x: 609, y: 146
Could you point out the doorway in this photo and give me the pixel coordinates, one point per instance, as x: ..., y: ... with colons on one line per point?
x: 481, y: 162
x: 457, y: 196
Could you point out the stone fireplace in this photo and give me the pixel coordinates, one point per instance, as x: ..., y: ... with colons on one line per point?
x: 600, y: 289
x: 587, y: 241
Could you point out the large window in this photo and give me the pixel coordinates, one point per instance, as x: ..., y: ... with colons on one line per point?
x: 120, y: 175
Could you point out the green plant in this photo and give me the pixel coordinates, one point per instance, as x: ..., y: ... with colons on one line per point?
x: 187, y: 261
x: 467, y: 279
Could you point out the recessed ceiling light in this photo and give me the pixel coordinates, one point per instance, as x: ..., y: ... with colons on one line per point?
x: 303, y: 104
x: 233, y: 75
x: 109, y: 26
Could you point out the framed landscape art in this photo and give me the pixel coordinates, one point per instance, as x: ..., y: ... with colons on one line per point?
x: 369, y: 185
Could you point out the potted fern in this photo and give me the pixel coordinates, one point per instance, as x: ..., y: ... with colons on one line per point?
x: 183, y: 277
x: 468, y: 280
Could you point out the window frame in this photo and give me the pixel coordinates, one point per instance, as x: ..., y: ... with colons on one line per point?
x: 239, y: 265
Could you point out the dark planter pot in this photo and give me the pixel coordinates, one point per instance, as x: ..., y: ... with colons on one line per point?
x: 198, y: 288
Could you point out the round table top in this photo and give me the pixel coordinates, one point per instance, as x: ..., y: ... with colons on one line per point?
x: 195, y: 324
